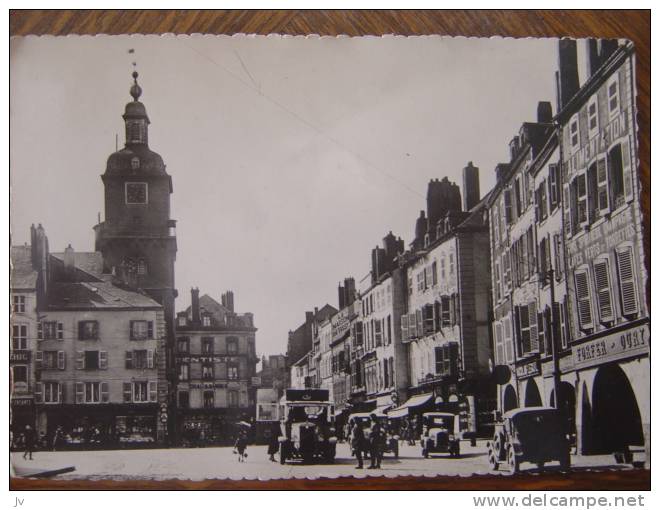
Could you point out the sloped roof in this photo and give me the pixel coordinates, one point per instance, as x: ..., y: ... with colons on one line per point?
x: 96, y: 295
x: 23, y: 275
x: 90, y: 262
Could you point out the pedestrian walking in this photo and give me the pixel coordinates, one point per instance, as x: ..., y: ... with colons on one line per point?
x: 358, y: 443
x: 240, y: 447
x: 273, y: 442
x: 30, y: 438
x: 375, y: 443
x: 58, y: 436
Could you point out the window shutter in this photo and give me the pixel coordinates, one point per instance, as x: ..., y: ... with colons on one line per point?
x: 80, y: 360
x: 61, y: 360
x: 420, y: 323
x: 507, y: 205
x: 103, y: 360
x: 499, y: 348
x: 132, y: 330
x: 603, y: 292
x: 533, y: 327
x: 153, y: 391
x: 559, y: 266
x: 627, y: 285
x: 603, y: 186
x: 40, y: 331
x: 583, y: 300
x: 38, y: 393
x: 556, y: 325
x: 412, y: 326
x: 150, y: 358
x: 404, y: 327
x: 508, y: 340
x: 542, y: 340
x: 105, y: 392
x: 516, y: 323
x: 452, y: 310
x: 434, y: 271
x: 60, y: 393
x: 437, y: 307
x: 627, y: 171
x: 150, y: 329
x: 60, y: 331
x: 129, y: 359
x: 81, y: 330
x: 128, y: 392
x: 39, y: 359
x: 80, y: 392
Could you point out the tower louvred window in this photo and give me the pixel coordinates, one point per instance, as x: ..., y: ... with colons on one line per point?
x: 629, y: 302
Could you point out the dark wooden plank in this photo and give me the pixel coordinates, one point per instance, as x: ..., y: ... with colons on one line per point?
x: 633, y: 25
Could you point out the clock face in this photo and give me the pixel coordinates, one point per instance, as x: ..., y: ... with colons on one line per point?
x: 136, y: 192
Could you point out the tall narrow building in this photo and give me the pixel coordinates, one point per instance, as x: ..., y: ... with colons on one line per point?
x: 138, y: 237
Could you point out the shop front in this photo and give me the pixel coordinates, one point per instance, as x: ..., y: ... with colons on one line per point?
x: 22, y: 414
x: 203, y: 427
x: 99, y: 426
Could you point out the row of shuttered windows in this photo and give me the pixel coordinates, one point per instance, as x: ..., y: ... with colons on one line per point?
x: 94, y: 360
x: 95, y: 392
x: 431, y: 318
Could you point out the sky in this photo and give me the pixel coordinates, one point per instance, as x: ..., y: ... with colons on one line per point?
x: 291, y: 158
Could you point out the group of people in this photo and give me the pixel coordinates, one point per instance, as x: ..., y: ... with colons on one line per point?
x: 373, y: 443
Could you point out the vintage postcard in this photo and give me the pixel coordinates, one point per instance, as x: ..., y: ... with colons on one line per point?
x: 287, y: 257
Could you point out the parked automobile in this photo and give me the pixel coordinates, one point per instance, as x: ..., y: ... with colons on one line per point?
x: 391, y: 444
x: 530, y: 434
x: 440, y: 434
x: 307, y: 426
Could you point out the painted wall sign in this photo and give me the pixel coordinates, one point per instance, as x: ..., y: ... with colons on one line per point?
x: 528, y: 370
x: 612, y: 347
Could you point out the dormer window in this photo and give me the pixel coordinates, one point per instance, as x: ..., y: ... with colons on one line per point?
x: 182, y: 320
x: 206, y: 320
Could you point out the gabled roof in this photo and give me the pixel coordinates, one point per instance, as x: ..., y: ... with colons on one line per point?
x: 23, y: 275
x: 96, y: 295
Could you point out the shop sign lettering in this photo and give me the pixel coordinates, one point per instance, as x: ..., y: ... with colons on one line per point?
x: 612, y: 347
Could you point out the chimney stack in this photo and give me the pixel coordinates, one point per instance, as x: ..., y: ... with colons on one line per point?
x: 544, y: 112
x: 228, y: 300
x: 194, y: 299
x: 598, y: 51
x: 69, y: 259
x: 349, y: 289
x: 569, y: 82
x: 342, y: 296
x: 471, y: 193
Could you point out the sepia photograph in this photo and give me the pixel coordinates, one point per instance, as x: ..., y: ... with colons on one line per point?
x: 275, y: 257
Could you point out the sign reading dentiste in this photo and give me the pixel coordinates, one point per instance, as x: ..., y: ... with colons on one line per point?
x: 612, y: 347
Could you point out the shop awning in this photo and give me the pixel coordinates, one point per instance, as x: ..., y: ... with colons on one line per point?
x: 411, y: 403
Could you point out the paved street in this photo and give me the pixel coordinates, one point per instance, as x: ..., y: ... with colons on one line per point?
x: 201, y: 463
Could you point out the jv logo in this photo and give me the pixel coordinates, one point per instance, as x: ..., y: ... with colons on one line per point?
x: 19, y: 502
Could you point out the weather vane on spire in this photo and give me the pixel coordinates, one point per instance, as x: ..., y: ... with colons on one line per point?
x: 136, y: 91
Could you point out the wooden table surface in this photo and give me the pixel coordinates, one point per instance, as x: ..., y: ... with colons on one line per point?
x: 633, y: 25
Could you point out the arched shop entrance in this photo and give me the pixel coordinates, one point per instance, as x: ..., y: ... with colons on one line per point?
x: 567, y: 403
x: 615, y: 418
x: 510, y: 400
x: 532, y: 394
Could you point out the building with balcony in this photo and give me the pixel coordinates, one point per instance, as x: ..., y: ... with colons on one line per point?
x: 445, y: 325
x: 608, y: 362
x: 215, y: 361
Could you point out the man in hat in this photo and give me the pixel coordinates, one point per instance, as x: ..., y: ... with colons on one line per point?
x: 375, y: 443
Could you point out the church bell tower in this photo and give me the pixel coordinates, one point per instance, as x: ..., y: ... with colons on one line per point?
x: 138, y: 238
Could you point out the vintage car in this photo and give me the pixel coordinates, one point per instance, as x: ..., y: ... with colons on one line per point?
x: 307, y: 426
x: 391, y: 444
x: 440, y: 434
x: 530, y: 434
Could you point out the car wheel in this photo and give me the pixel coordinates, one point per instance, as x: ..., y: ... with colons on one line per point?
x: 514, y: 462
x: 493, y: 460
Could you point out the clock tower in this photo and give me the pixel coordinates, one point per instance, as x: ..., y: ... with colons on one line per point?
x: 138, y: 238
